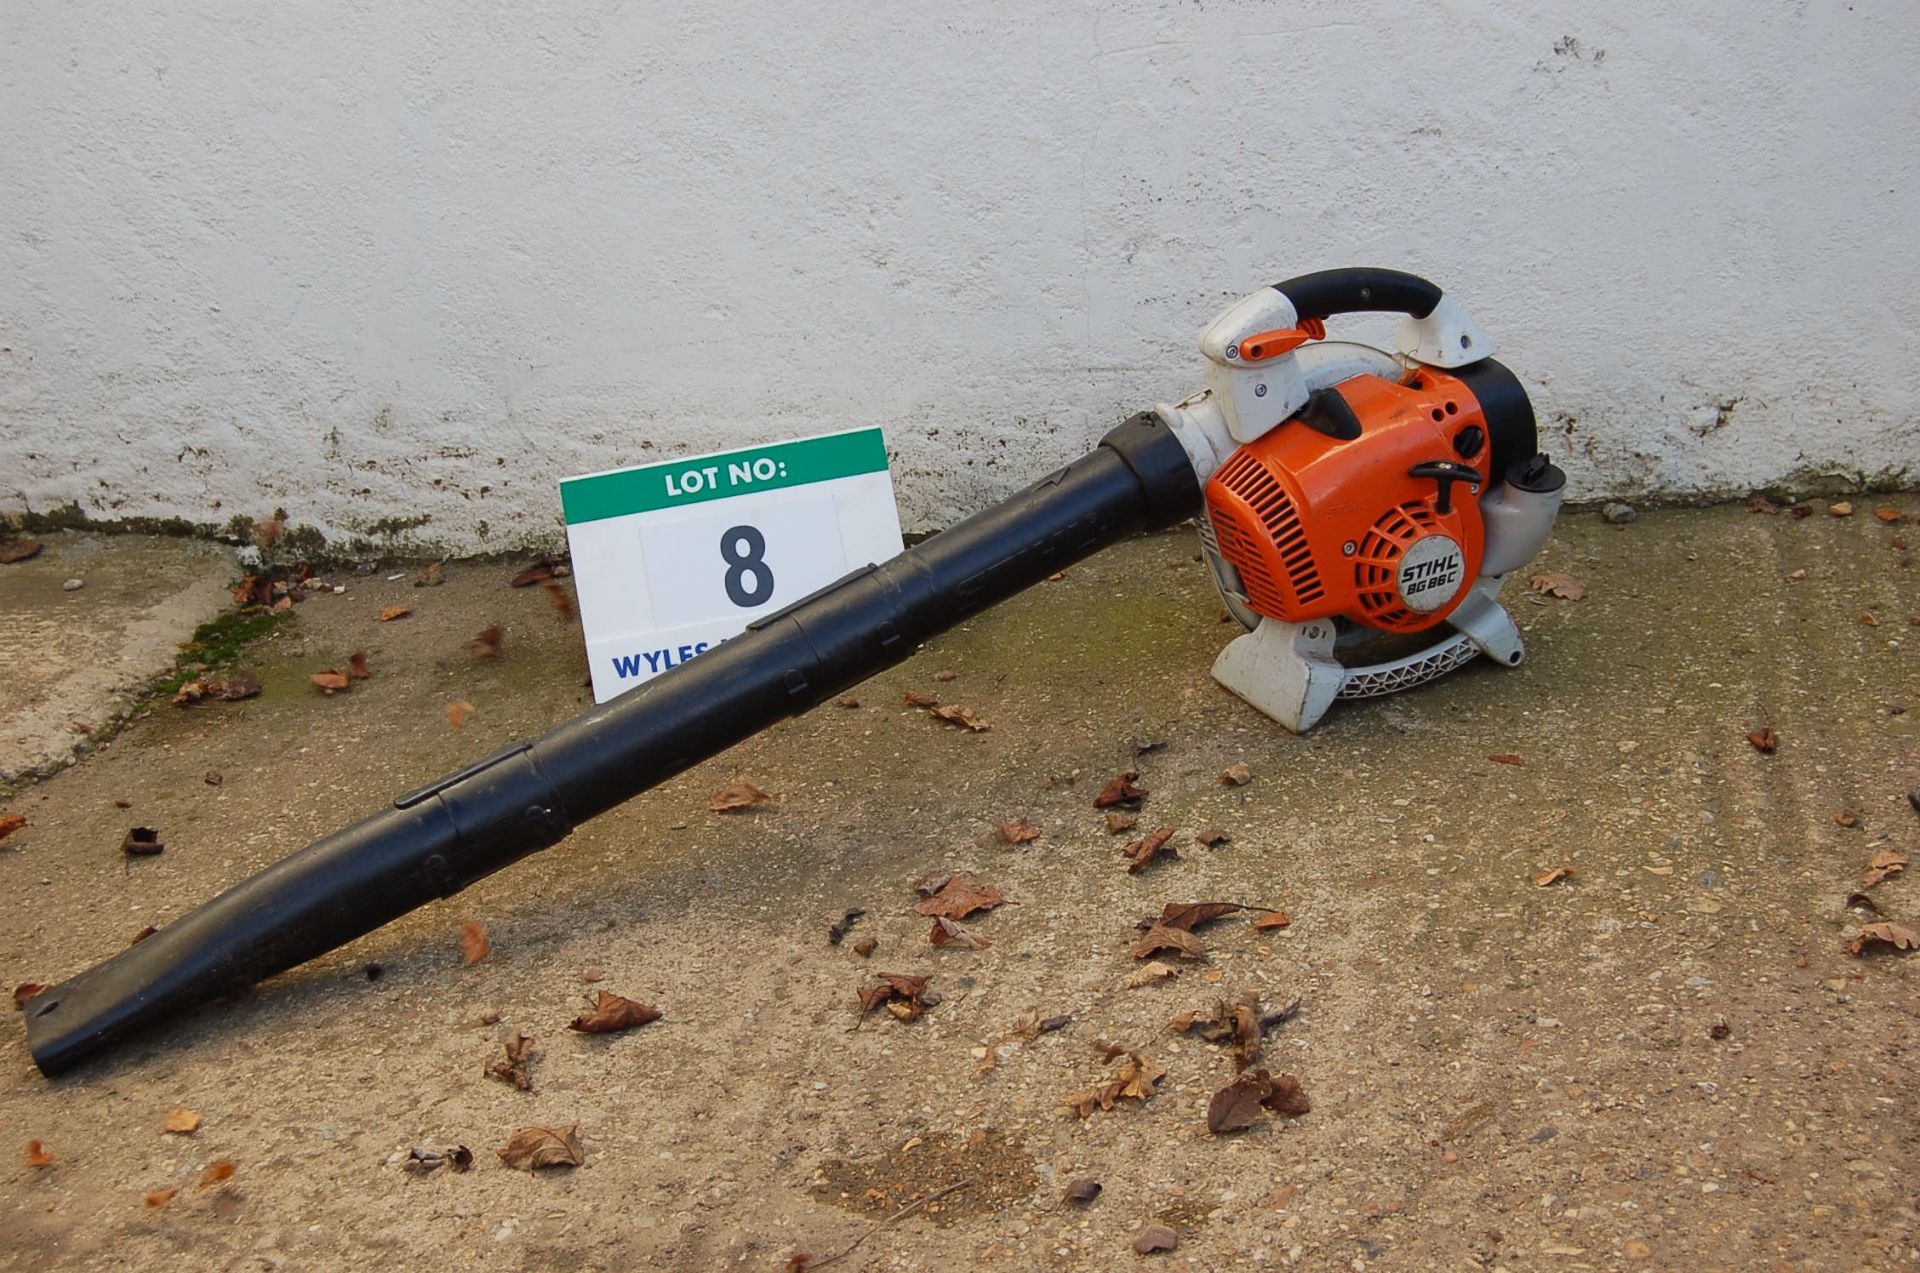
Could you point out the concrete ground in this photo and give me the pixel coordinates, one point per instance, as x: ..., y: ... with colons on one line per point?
x: 76, y: 659
x: 1501, y: 1075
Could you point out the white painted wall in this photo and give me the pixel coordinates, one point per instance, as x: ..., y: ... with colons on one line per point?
x: 367, y: 260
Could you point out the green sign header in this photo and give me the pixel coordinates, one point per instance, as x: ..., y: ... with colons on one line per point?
x: 698, y: 478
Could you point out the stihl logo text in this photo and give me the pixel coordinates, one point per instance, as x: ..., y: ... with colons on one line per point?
x: 1424, y: 576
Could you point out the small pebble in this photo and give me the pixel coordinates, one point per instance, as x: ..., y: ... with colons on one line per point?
x: 1618, y: 514
x: 74, y: 585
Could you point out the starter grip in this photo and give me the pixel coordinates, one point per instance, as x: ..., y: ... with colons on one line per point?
x: 1358, y: 290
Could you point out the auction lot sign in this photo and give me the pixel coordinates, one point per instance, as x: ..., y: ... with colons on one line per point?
x: 671, y: 559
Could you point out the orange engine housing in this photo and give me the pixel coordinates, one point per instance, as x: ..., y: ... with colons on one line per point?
x: 1319, y: 527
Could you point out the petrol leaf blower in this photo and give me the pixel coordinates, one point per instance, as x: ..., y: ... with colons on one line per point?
x: 1347, y: 497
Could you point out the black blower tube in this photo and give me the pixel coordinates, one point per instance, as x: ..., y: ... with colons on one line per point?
x: 435, y: 841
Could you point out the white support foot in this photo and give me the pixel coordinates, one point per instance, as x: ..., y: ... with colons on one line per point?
x: 1287, y: 670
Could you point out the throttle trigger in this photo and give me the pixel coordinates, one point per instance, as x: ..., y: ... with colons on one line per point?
x: 1282, y: 340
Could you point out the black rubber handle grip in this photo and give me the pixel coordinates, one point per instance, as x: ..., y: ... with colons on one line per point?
x: 1359, y: 290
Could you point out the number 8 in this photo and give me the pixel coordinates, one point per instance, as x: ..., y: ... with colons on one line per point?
x: 740, y: 565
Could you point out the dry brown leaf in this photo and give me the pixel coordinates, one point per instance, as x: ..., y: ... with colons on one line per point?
x: 1764, y: 740
x: 960, y: 896
x: 741, y: 795
x: 1156, y: 1237
x: 1842, y: 509
x: 1898, y: 936
x: 515, y: 1068
x: 1505, y: 758
x: 189, y: 691
x: 1236, y: 775
x: 837, y: 931
x: 254, y: 590
x: 14, y: 549
x: 865, y: 947
x: 216, y: 1172
x: 960, y: 716
x: 1866, y: 620
x: 917, y: 699
x: 539, y: 572
x: 947, y: 933
x: 37, y: 1155
x: 1212, y: 838
x: 533, y: 1147
x: 1123, y: 791
x: 1548, y: 878
x: 1142, y: 853
x: 1160, y: 937
x: 1847, y: 818
x: 1553, y: 583
x: 357, y: 666
x: 25, y: 991
x: 457, y: 713
x: 1863, y: 902
x: 557, y: 598
x: 329, y: 681
x: 395, y: 612
x: 1081, y: 1192
x: 486, y: 643
x: 1236, y: 1107
x: 1187, y: 916
x: 1287, y: 1096
x: 1018, y: 831
x: 612, y: 1013
x: 9, y: 823
x: 157, y: 1198
x: 434, y: 575
x: 474, y: 942
x: 231, y: 690
x: 903, y: 994
x: 182, y: 1122
x: 1271, y: 920
x: 1884, y: 864
x: 142, y: 842
x: 1118, y: 822
x: 1235, y: 1022
x: 1134, y: 1081
x: 1150, y: 973
x: 1887, y: 514
x: 143, y: 934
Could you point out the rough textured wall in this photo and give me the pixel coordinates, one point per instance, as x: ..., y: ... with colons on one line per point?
x: 375, y: 263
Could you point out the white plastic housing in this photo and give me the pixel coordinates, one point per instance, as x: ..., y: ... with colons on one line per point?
x: 1252, y: 398
x: 1444, y: 338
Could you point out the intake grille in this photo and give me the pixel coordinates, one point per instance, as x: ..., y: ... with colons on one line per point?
x: 1246, y: 477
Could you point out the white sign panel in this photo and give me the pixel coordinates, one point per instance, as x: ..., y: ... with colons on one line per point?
x: 671, y: 559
